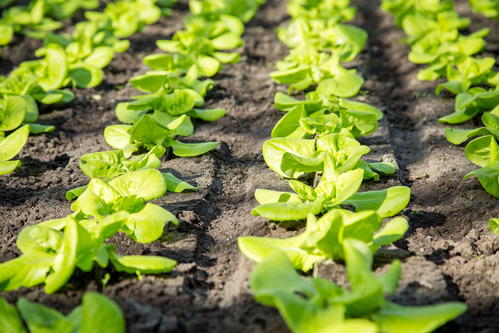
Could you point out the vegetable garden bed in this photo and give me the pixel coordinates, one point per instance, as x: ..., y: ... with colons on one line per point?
x: 448, y: 253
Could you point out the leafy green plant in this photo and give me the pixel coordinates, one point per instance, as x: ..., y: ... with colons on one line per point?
x: 488, y: 8
x: 318, y: 44
x: 341, y: 179
x: 432, y: 29
x: 335, y: 11
x: 292, y: 158
x: 10, y: 146
x: 323, y: 237
x: 75, y: 60
x: 484, y: 152
x: 96, y: 313
x: 152, y: 130
x: 53, y: 249
x: 318, y: 305
x: 471, y: 103
x: 111, y: 164
x: 30, y: 20
x: 323, y: 113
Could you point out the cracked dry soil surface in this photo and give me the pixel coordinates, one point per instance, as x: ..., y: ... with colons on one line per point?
x: 448, y: 253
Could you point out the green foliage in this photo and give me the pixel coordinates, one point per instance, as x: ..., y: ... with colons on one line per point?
x: 318, y: 305
x: 174, y: 91
x: 318, y: 44
x: 488, y: 8
x: 97, y: 313
x: 484, y: 152
x: 323, y: 113
x: 317, y: 137
x: 432, y: 28
x: 52, y: 250
x: 323, y: 238
x: 111, y: 164
x: 64, y: 60
x: 10, y: 146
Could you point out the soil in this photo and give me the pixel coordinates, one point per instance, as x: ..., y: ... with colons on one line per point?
x: 449, y: 253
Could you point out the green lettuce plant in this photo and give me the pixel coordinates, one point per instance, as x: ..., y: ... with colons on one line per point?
x: 30, y: 21
x: 488, y: 8
x: 96, y: 313
x: 471, y: 103
x: 323, y: 238
x: 322, y: 113
x: 111, y: 164
x: 338, y: 185
x: 334, y: 11
x: 174, y: 91
x: 293, y: 158
x: 244, y: 10
x: 53, y: 249
x: 152, y: 130
x: 318, y: 305
x: 10, y: 146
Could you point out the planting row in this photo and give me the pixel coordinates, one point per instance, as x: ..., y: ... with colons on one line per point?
x: 453, y: 56
x: 74, y: 60
x: 122, y: 181
x: 315, y: 146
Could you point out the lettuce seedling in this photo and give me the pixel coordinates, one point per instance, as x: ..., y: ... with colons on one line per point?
x: 20, y: 110
x: 334, y: 11
x: 471, y: 103
x: 318, y: 45
x: 53, y: 249
x: 10, y: 146
x: 305, y: 66
x: 243, y: 10
x: 323, y: 238
x: 318, y: 305
x: 198, y: 47
x: 467, y: 72
x: 484, y: 152
x: 489, y: 119
x: 47, y: 256
x: 125, y: 197
x: 322, y: 113
x: 345, y: 40
x: 167, y: 106
x: 31, y: 21
x: 488, y: 8
x: 111, y: 164
x: 152, y: 130
x: 337, y: 156
x: 292, y: 158
x: 41, y: 79
x: 96, y: 312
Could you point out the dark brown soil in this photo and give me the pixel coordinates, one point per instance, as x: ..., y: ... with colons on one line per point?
x: 449, y: 252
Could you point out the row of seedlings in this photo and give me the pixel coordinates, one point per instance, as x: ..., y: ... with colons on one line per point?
x: 19, y: 93
x: 432, y: 29
x: 74, y: 60
x: 38, y: 17
x: 173, y: 91
x: 315, y: 146
x: 121, y: 183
